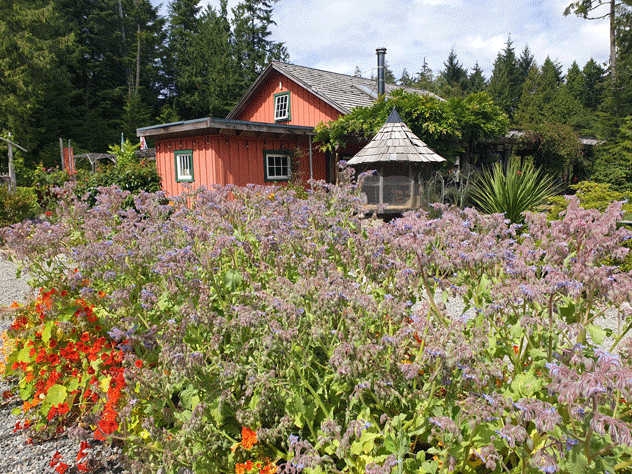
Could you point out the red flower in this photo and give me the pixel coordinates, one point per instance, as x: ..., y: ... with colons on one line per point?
x: 61, y: 468
x: 139, y: 364
x: 85, y: 337
x: 248, y: 438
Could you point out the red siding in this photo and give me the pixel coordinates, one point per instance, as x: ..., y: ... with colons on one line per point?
x: 305, y: 108
x: 219, y: 159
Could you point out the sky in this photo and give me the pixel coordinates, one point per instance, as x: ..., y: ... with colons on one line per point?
x: 338, y: 35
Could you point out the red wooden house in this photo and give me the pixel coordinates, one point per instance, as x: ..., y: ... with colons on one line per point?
x: 269, y: 130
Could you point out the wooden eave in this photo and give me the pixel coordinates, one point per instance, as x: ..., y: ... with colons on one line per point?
x: 214, y: 126
x: 241, y: 105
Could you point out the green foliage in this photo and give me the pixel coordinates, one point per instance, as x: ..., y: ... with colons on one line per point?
x: 554, y: 147
x: 613, y: 162
x: 251, y: 35
x: 34, y: 41
x: 445, y: 126
x: 18, y: 206
x: 591, y: 195
x: 545, y: 98
x: 505, y: 83
x: 132, y: 175
x: 513, y: 191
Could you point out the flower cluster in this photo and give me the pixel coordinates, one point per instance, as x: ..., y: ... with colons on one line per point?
x: 68, y: 366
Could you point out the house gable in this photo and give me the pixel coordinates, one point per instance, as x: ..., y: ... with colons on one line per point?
x: 307, y: 109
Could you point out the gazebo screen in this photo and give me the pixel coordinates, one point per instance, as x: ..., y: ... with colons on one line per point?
x: 392, y: 185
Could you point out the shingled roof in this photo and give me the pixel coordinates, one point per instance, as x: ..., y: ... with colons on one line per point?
x: 395, y: 142
x: 341, y: 91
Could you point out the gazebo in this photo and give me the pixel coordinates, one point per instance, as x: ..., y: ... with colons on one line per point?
x: 401, y: 161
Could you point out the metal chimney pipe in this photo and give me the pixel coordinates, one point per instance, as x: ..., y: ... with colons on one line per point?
x: 381, y: 63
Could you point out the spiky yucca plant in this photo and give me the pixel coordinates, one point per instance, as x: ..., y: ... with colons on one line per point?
x: 512, y: 191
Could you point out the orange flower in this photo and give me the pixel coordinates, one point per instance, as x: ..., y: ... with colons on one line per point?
x: 248, y: 438
x: 240, y: 468
x: 269, y: 469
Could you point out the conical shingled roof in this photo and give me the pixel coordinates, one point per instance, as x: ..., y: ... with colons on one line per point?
x: 395, y: 142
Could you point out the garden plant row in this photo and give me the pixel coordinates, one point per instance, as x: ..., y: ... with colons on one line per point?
x: 247, y: 330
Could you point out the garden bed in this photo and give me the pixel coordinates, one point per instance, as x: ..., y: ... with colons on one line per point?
x: 252, y: 331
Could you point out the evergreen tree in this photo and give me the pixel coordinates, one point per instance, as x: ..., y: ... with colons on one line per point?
x: 119, y: 45
x: 424, y: 79
x: 406, y: 80
x: 476, y: 81
x: 525, y: 62
x: 205, y: 84
x: 389, y: 76
x: 546, y: 99
x: 594, y: 78
x: 454, y: 73
x: 183, y: 27
x: 505, y: 86
x: 253, y: 48
x: 614, y: 159
x: 34, y: 90
x: 575, y: 82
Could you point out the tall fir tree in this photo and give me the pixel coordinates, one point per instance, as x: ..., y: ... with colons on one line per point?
x: 505, y: 86
x: 454, y: 74
x: 546, y: 99
x: 594, y: 81
x: 205, y: 83
x: 35, y: 43
x: 476, y: 81
x: 525, y: 62
x: 425, y: 79
x: 253, y: 47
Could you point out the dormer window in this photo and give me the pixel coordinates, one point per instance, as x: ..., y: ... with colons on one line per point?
x: 282, y: 107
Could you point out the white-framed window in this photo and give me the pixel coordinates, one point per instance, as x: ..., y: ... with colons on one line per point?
x: 277, y: 165
x: 184, y: 166
x: 282, y: 107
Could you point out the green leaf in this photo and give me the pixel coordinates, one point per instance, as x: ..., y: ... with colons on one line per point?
x: 16, y: 411
x: 56, y: 395
x: 46, y: 332
x: 516, y: 331
x: 568, y: 313
x: 526, y: 384
x: 233, y: 279
x: 597, y: 333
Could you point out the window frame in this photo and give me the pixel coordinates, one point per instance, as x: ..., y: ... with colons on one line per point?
x: 274, y: 178
x: 176, y: 161
x: 288, y: 116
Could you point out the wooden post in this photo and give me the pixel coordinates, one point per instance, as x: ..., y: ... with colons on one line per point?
x: 12, y: 182
x: 61, y: 154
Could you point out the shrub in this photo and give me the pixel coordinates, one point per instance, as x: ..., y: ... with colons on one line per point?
x: 17, y: 206
x: 512, y: 192
x: 591, y: 195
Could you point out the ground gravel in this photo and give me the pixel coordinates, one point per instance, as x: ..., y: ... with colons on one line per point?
x: 19, y: 454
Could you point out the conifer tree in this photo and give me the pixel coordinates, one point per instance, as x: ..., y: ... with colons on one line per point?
x: 34, y: 89
x: 594, y: 78
x: 525, y: 62
x: 476, y: 81
x: 505, y: 86
x: 454, y: 74
x: 251, y: 35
